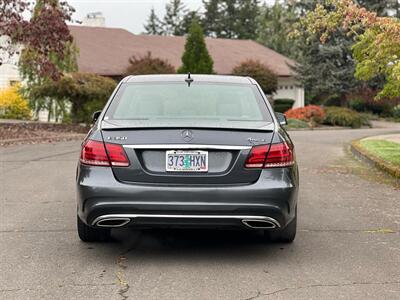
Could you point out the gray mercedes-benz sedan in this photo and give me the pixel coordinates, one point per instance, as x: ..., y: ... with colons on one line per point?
x: 188, y: 151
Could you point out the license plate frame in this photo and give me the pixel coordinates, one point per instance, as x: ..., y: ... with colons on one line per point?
x: 198, y: 160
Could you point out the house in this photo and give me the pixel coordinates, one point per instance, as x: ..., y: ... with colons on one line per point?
x: 106, y: 51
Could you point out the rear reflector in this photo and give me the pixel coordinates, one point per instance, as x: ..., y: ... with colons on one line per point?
x: 94, y: 153
x: 279, y: 156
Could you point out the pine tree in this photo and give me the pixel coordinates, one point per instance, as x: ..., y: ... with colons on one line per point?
x: 235, y: 19
x: 153, y: 25
x: 212, y: 18
x: 196, y: 58
x: 274, y: 25
x: 246, y: 21
x: 327, y: 70
x: 381, y: 7
x: 172, y: 23
x: 188, y: 20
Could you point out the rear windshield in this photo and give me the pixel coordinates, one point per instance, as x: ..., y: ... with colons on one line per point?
x: 155, y: 102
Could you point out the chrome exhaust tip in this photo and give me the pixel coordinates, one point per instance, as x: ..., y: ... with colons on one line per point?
x: 260, y: 224
x: 113, y: 222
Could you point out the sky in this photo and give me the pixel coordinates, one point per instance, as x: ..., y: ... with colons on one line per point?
x: 128, y: 14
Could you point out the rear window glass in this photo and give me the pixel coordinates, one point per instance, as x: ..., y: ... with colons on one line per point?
x: 177, y: 101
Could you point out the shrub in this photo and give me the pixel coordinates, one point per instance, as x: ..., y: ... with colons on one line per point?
x: 13, y: 105
x: 295, y: 123
x: 86, y: 92
x: 149, y: 65
x: 381, y: 107
x: 396, y: 112
x: 267, y: 80
x: 311, y: 113
x: 283, y: 105
x: 364, y: 101
x: 341, y: 116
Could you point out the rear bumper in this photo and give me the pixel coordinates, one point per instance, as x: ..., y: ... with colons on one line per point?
x: 272, y: 197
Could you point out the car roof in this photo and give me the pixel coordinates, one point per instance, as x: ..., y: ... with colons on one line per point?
x: 195, y: 77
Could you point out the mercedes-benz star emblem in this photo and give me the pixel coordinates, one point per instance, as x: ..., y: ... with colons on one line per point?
x: 187, y: 135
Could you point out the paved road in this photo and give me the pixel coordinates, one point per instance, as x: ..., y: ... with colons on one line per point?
x: 348, y: 245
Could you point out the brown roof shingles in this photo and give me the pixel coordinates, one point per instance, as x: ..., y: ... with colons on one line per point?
x: 106, y: 51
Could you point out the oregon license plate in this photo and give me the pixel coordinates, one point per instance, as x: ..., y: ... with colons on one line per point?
x: 186, y: 161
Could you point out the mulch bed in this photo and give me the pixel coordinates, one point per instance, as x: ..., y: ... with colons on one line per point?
x: 14, y: 133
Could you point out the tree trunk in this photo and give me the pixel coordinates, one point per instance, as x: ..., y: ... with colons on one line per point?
x: 76, y: 107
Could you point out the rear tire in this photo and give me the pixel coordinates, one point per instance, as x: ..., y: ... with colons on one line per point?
x: 285, y: 235
x: 90, y: 234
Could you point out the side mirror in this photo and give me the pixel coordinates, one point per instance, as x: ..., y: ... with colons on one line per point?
x: 96, y: 115
x: 281, y: 118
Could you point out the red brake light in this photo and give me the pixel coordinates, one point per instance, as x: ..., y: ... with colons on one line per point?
x: 94, y: 153
x: 117, y: 155
x: 257, y: 156
x: 279, y: 156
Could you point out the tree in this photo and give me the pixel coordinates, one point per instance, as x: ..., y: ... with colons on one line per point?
x: 153, y: 25
x: 211, y: 20
x: 46, y: 32
x: 273, y: 27
x: 86, y: 93
x: 173, y: 19
x: 176, y: 21
x: 267, y: 80
x: 327, y: 70
x: 377, y: 47
x: 196, y: 58
x: 149, y: 65
x: 246, y: 21
x: 381, y: 7
x: 37, y: 67
x: 188, y: 19
x: 11, y: 24
x: 231, y: 18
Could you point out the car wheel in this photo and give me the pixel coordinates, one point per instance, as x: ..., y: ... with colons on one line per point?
x: 89, y: 234
x: 285, y: 235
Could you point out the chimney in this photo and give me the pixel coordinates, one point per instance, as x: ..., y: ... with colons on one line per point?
x: 95, y: 19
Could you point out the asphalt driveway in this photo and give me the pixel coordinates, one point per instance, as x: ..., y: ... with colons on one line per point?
x: 348, y: 245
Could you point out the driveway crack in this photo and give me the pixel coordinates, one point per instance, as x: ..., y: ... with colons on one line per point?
x: 259, y: 294
x: 120, y: 274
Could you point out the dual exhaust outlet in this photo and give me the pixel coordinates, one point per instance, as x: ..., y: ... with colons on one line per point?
x: 254, y: 222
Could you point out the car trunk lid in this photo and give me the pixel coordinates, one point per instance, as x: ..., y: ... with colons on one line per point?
x: 227, y: 151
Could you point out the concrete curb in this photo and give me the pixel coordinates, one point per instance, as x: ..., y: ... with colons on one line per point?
x: 59, y: 138
x: 362, y: 154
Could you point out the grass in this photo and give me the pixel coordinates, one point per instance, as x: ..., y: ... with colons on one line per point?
x: 347, y: 165
x: 385, y: 150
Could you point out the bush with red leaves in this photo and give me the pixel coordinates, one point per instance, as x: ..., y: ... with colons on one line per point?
x: 310, y: 113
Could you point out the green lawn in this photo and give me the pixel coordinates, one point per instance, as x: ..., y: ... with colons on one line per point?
x: 386, y: 150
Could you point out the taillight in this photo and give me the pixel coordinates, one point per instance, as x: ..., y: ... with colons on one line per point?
x: 257, y: 156
x: 117, y: 155
x: 94, y: 153
x: 279, y: 156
